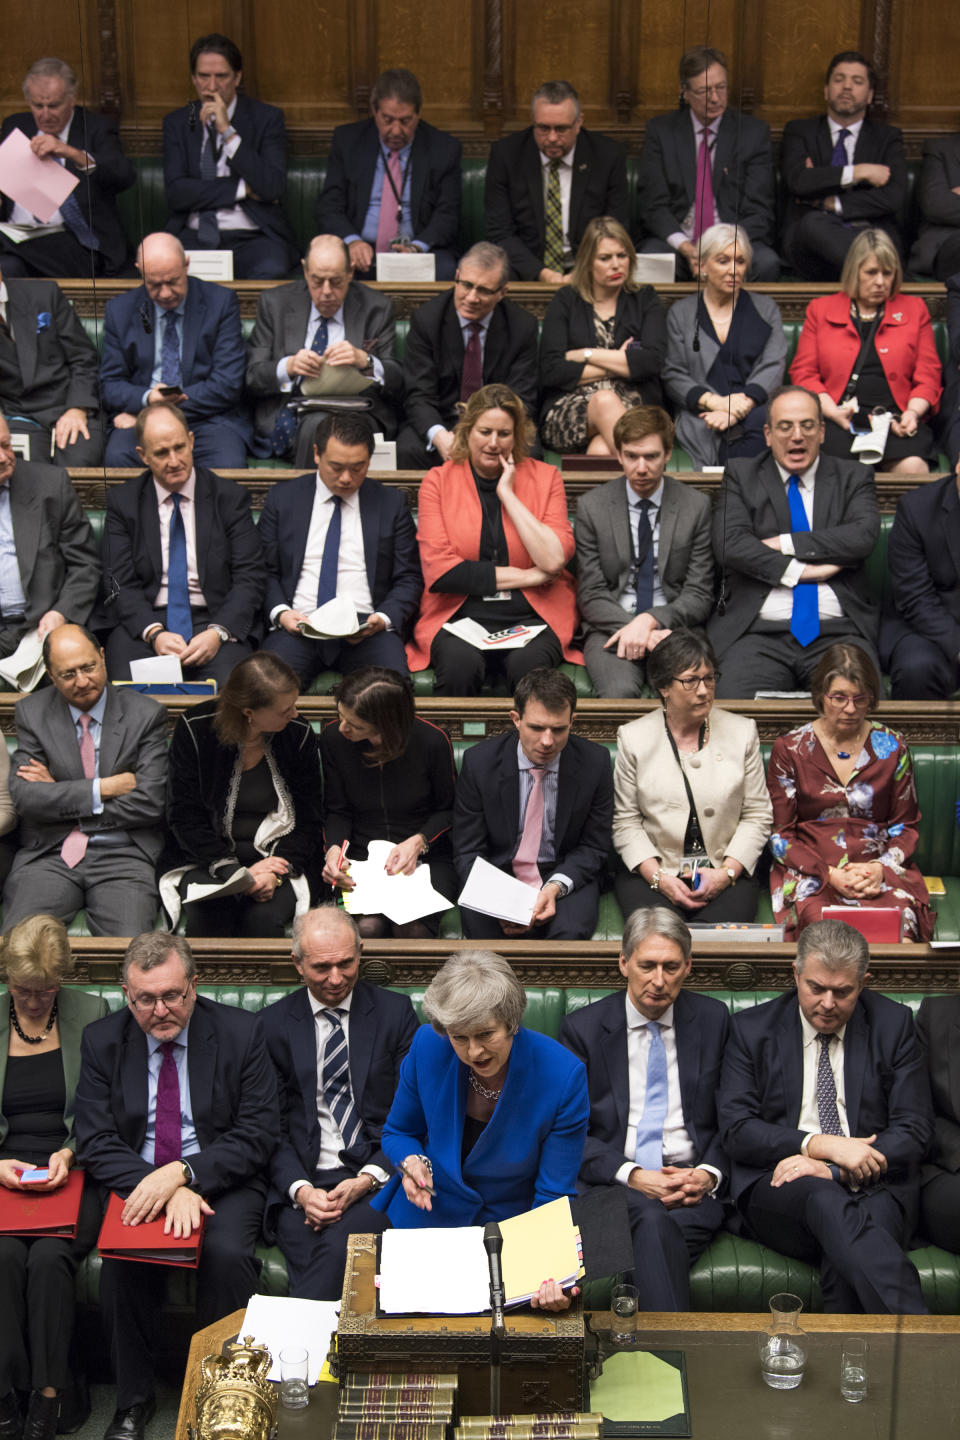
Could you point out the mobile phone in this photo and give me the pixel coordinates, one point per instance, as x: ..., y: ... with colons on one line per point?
x: 34, y: 1177
x: 512, y: 631
x: 168, y: 390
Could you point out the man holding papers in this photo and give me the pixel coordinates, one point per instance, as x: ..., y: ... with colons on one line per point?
x: 176, y: 1112
x: 537, y: 804
x: 336, y: 1046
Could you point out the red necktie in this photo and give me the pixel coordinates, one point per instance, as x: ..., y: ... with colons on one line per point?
x: 472, y: 377
x: 703, y: 201
x: 166, y: 1131
x: 74, y: 846
x: 388, y: 225
x: 525, y: 865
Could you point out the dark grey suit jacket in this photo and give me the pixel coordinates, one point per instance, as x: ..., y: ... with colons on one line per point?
x: 280, y: 327
x: 59, y: 366
x: 938, y: 1031
x: 684, y: 556
x: 939, y: 203
x: 56, y: 552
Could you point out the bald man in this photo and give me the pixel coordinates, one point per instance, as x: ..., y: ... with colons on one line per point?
x: 176, y: 339
x: 323, y: 319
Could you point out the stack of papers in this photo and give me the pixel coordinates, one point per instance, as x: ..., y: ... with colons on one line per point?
x: 490, y: 891
x: 402, y: 898
x: 23, y: 669
x: 278, y: 1322
x: 480, y: 638
x: 236, y: 884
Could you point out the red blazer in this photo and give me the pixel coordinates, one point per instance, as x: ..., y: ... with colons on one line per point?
x: 829, y: 345
x: 449, y: 518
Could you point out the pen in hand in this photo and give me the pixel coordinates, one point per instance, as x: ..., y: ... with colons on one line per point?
x: 420, y: 1184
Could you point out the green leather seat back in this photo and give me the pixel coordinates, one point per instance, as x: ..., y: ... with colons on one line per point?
x: 474, y: 173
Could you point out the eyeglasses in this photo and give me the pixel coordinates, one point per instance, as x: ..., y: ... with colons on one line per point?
x: 699, y: 92
x: 67, y: 677
x: 787, y: 427
x: 690, y: 682
x: 482, y: 292
x: 22, y: 992
x: 148, y: 1003
x: 859, y: 702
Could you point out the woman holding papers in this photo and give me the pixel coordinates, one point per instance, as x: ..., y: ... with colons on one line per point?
x: 489, y: 1119
x: 388, y: 775
x: 244, y: 792
x: 494, y: 541
x: 39, y: 1066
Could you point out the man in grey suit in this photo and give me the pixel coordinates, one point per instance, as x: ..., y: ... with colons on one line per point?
x: 88, y: 781
x: 792, y: 531
x: 327, y: 320
x: 644, y: 556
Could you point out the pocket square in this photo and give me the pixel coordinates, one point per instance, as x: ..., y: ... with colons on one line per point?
x: 44, y: 321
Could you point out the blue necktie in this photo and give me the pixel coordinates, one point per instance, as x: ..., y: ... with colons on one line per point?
x: 330, y: 561
x: 170, y: 351
x: 285, y: 429
x: 179, y: 621
x: 805, y: 620
x: 649, y: 1151
x: 335, y: 1079
x: 76, y: 223
x: 827, y: 1111
x: 644, y: 561
x: 839, y: 156
x: 208, y: 231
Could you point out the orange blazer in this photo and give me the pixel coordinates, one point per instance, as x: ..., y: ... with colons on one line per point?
x: 830, y: 343
x: 449, y: 519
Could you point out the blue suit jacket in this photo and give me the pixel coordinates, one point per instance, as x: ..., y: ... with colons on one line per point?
x: 213, y: 358
x: 885, y: 1086
x: 528, y: 1153
x: 382, y: 1025
x: 597, y: 1035
x: 389, y: 545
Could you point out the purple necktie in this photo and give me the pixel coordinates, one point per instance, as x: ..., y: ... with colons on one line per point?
x: 74, y: 846
x: 167, y: 1138
x: 472, y: 378
x: 525, y: 865
x: 703, y: 200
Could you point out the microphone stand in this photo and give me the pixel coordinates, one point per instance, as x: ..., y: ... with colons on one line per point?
x: 493, y: 1244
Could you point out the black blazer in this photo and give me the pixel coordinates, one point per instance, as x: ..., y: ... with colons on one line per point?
x: 938, y: 200
x: 877, y: 144
x: 938, y: 1031
x: 513, y: 199
x: 597, y: 1035
x: 382, y: 1027
x: 97, y: 190
x: 923, y: 557
x: 229, y: 554
x: 742, y: 174
x: 59, y: 366
x: 753, y: 505
x: 434, y: 183
x: 568, y: 325
x: 260, y: 161
x: 433, y: 360
x: 233, y: 1095
x: 487, y: 808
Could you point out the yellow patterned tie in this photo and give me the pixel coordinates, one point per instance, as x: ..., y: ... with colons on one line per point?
x: 553, y: 249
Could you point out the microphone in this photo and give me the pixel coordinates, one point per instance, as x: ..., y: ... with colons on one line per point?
x: 146, y: 319
x: 493, y: 1244
x: 192, y: 117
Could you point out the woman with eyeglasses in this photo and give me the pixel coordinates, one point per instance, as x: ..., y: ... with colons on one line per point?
x: 691, y: 809
x: 845, y: 814
x: 39, y: 1068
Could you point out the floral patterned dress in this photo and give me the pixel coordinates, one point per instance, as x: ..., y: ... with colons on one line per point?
x: 818, y: 823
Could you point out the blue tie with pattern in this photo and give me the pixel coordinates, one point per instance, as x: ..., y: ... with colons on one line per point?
x: 649, y: 1148
x: 335, y: 1079
x: 208, y: 231
x: 330, y: 560
x: 644, y: 561
x: 179, y: 621
x: 805, y: 620
x: 839, y: 156
x: 170, y: 350
x: 827, y: 1091
x: 285, y: 428
x: 76, y: 222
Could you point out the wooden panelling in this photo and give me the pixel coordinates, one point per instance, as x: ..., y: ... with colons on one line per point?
x: 64, y: 28
x: 797, y: 45
x: 410, y: 30
x: 923, y: 88
x: 305, y: 63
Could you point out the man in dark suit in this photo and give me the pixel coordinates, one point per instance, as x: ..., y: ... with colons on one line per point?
x: 546, y: 183
x: 324, y: 318
x: 938, y: 1032
x: 704, y: 164
x: 460, y: 340
x: 653, y: 1063
x: 949, y: 420
x: 176, y: 339
x: 936, y: 250
x: 644, y: 556
x: 393, y: 181
x: 88, y: 781
x: 920, y: 630
x: 177, y: 1113
x: 336, y: 1046
x: 825, y: 1114
x: 339, y: 534
x: 842, y: 171
x: 86, y: 237
x: 792, y: 530
x: 204, y: 607
x: 539, y: 804
x: 225, y: 168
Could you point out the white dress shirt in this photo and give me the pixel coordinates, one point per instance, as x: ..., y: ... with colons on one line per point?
x: 165, y: 511
x: 778, y: 605
x: 628, y: 598
x: 565, y: 174
x: 352, y: 581
x: 465, y: 332
x: 336, y: 331
x: 233, y: 217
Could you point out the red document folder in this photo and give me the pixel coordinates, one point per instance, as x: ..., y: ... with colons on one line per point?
x: 879, y: 923
x: 146, y: 1242
x: 51, y: 1212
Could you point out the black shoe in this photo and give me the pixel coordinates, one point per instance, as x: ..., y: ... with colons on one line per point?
x: 41, y: 1421
x: 130, y: 1424
x: 11, y: 1421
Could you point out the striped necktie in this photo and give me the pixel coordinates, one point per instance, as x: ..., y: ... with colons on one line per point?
x: 335, y: 1079
x: 553, y: 235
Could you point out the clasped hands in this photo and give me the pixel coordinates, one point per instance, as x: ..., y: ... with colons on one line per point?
x: 166, y: 1189
x: 308, y: 362
x: 857, y: 881
x: 675, y: 1186
x: 323, y: 1207
x: 858, y: 1158
x: 635, y: 639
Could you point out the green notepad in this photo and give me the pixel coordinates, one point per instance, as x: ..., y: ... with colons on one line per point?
x: 642, y: 1392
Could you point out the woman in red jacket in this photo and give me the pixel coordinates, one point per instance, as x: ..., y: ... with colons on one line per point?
x: 870, y: 348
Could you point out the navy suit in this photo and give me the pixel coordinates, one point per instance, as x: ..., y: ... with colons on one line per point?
x: 260, y: 161
x: 212, y: 363
x: 855, y: 1237
x: 486, y: 821
x: 665, y: 1242
x: 920, y: 632
x: 382, y: 1025
x: 233, y: 1097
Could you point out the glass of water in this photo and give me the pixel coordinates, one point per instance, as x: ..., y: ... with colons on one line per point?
x: 294, y: 1390
x: 783, y: 1345
x: 853, y: 1368
x: 624, y: 1301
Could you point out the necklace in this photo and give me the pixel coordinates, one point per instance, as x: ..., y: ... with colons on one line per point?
x: 481, y: 1089
x: 856, y: 745
x: 33, y: 1039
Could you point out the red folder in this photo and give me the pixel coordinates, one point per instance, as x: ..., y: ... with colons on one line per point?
x: 50, y: 1212
x: 146, y: 1242
x: 880, y: 923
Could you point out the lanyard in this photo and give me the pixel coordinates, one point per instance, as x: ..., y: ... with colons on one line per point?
x: 693, y: 838
x: 398, y: 195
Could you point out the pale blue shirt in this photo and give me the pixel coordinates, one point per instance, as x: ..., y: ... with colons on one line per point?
x: 159, y: 330
x: 551, y: 782
x: 189, y: 1145
x: 371, y: 220
x: 96, y: 730
x: 13, y: 602
x: 465, y: 332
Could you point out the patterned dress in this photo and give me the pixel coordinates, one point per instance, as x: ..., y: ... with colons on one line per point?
x: 564, y: 427
x: 819, y: 823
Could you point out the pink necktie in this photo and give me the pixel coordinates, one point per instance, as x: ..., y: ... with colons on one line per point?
x: 388, y: 225
x: 74, y: 846
x: 703, y: 201
x: 525, y: 865
x: 166, y: 1120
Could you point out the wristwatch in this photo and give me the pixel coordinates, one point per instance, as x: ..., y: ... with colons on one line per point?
x: 731, y: 874
x: 375, y: 1184
x: 188, y: 1175
x: 587, y: 354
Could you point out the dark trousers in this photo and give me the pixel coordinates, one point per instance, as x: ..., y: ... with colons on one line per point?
x: 256, y: 256
x: 237, y: 916
x: 856, y: 1240
x: 310, y: 657
x: 216, y: 445
x: 316, y: 1259
x: 919, y: 670
x: 131, y: 1295
x: 576, y: 919
x: 461, y: 668
x: 82, y: 453
x: 735, y: 905
x: 947, y: 262
x: 940, y: 1210
x: 816, y: 246
x: 769, y: 658
x: 122, y: 647
x: 56, y: 255
x: 665, y: 1245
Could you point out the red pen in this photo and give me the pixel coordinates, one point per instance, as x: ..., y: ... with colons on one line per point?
x: 343, y: 854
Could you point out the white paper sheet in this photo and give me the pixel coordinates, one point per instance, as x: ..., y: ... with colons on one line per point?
x: 402, y: 898
x: 391, y: 266
x: 492, y: 892
x: 40, y: 184
x: 157, y: 670
x: 338, y: 617
x: 24, y: 667
x: 215, y: 265
x: 416, y: 1267
x: 277, y: 1321
x: 237, y: 883
x: 477, y: 635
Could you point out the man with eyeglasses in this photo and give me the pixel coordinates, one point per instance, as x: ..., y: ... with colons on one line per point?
x: 546, y: 183
x: 176, y: 1112
x: 707, y: 164
x: 468, y: 337
x: 792, y: 531
x: 88, y: 782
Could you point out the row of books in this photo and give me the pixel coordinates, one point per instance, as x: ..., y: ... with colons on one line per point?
x: 396, y: 1405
